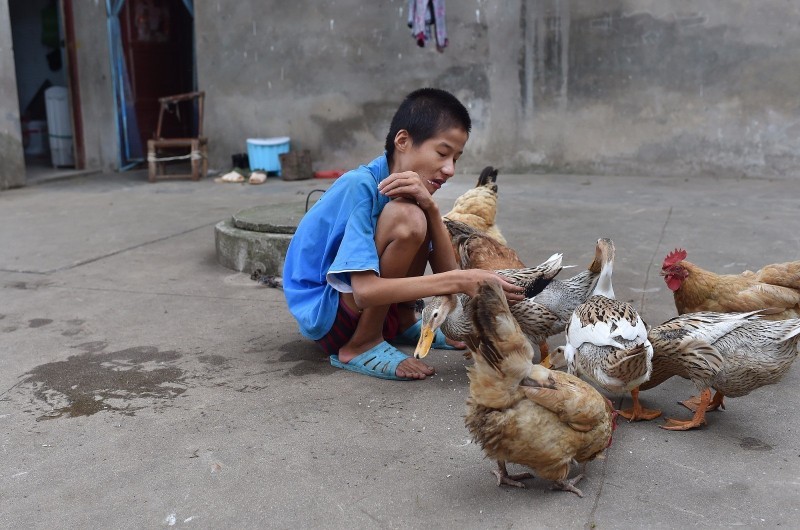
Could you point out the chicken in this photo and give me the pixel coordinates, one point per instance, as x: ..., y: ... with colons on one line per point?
x: 477, y: 207
x: 733, y: 353
x: 524, y: 413
x: 477, y: 250
x: 451, y: 312
x: 694, y: 289
x: 607, y: 339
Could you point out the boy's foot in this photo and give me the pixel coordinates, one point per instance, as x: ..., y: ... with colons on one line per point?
x: 381, y: 357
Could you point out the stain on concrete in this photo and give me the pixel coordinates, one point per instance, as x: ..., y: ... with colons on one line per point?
x: 9, y: 329
x: 308, y: 359
x: 76, y: 327
x: 25, y: 286
x: 214, y: 360
x: 754, y: 444
x: 123, y: 381
x: 93, y: 346
x: 39, y: 322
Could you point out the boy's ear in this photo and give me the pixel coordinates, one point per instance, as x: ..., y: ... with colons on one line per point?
x: 402, y: 141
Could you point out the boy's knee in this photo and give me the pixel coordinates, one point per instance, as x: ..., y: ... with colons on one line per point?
x: 407, y: 221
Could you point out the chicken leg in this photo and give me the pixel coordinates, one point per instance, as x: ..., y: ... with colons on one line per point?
x: 693, y: 402
x: 569, y: 485
x: 638, y: 412
x: 697, y: 420
x: 510, y: 480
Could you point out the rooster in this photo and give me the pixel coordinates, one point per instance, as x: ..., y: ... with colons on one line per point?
x: 477, y: 207
x: 524, y: 413
x: 694, y: 289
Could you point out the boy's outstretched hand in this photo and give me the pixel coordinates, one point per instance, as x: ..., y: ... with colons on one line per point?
x: 514, y: 293
x: 407, y: 185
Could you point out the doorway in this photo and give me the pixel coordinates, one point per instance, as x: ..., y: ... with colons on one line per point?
x: 152, y: 53
x: 51, y: 138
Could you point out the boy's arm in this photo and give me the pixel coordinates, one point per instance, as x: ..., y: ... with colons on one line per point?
x: 371, y: 290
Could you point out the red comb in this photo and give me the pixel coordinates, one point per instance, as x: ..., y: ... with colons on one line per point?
x: 674, y: 257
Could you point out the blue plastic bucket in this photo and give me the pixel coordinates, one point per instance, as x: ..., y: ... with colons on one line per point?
x: 263, y: 152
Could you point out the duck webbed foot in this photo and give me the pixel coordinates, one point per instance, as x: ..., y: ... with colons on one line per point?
x: 693, y: 402
x: 697, y: 420
x: 638, y: 412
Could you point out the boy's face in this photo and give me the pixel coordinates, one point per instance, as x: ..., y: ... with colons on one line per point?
x: 435, y: 159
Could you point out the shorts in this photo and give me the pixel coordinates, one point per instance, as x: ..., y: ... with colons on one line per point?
x: 345, y: 325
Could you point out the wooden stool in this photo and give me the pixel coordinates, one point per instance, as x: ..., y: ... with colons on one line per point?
x: 198, y: 146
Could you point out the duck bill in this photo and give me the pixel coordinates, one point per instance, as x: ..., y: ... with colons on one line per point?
x: 426, y: 335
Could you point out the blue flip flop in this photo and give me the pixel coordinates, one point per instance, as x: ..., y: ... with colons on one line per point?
x: 410, y: 337
x: 380, y: 361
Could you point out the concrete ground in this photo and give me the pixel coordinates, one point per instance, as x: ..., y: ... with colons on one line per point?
x: 144, y: 385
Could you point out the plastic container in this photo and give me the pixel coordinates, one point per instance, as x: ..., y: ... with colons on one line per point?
x: 33, y: 134
x: 59, y: 126
x: 263, y: 153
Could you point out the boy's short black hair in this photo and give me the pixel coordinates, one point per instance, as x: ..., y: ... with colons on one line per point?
x: 425, y: 113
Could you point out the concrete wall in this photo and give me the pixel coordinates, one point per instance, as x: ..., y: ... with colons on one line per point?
x: 619, y: 86
x: 12, y: 161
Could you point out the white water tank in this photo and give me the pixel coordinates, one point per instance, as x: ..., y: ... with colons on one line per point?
x: 59, y: 126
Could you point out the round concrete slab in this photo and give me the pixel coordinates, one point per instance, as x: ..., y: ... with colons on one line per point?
x: 269, y: 219
x: 248, y: 250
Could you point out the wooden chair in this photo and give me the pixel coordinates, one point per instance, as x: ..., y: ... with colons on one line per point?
x: 198, y: 145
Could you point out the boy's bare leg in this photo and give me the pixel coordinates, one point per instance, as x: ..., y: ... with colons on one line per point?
x: 400, y: 237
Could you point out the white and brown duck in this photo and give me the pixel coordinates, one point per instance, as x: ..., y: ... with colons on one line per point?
x: 607, y: 339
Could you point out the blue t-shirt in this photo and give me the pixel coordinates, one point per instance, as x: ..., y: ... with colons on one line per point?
x: 336, y: 237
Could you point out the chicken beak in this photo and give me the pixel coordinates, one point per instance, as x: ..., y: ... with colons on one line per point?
x: 426, y: 335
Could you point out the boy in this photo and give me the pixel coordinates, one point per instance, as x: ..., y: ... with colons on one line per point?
x: 358, y: 256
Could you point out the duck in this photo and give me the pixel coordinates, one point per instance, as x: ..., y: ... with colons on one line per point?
x: 561, y: 297
x: 450, y: 313
x: 732, y: 353
x: 606, y: 339
x: 524, y: 413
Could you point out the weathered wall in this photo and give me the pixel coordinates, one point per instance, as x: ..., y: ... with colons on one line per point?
x: 12, y: 158
x: 95, y: 85
x: 619, y: 86
x: 669, y: 87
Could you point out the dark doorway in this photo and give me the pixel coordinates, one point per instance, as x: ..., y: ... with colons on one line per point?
x: 157, y: 37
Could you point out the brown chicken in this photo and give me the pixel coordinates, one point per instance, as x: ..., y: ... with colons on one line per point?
x: 524, y: 413
x: 775, y: 287
x: 476, y: 250
x: 477, y: 207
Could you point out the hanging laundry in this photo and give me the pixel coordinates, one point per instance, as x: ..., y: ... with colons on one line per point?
x: 422, y: 14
